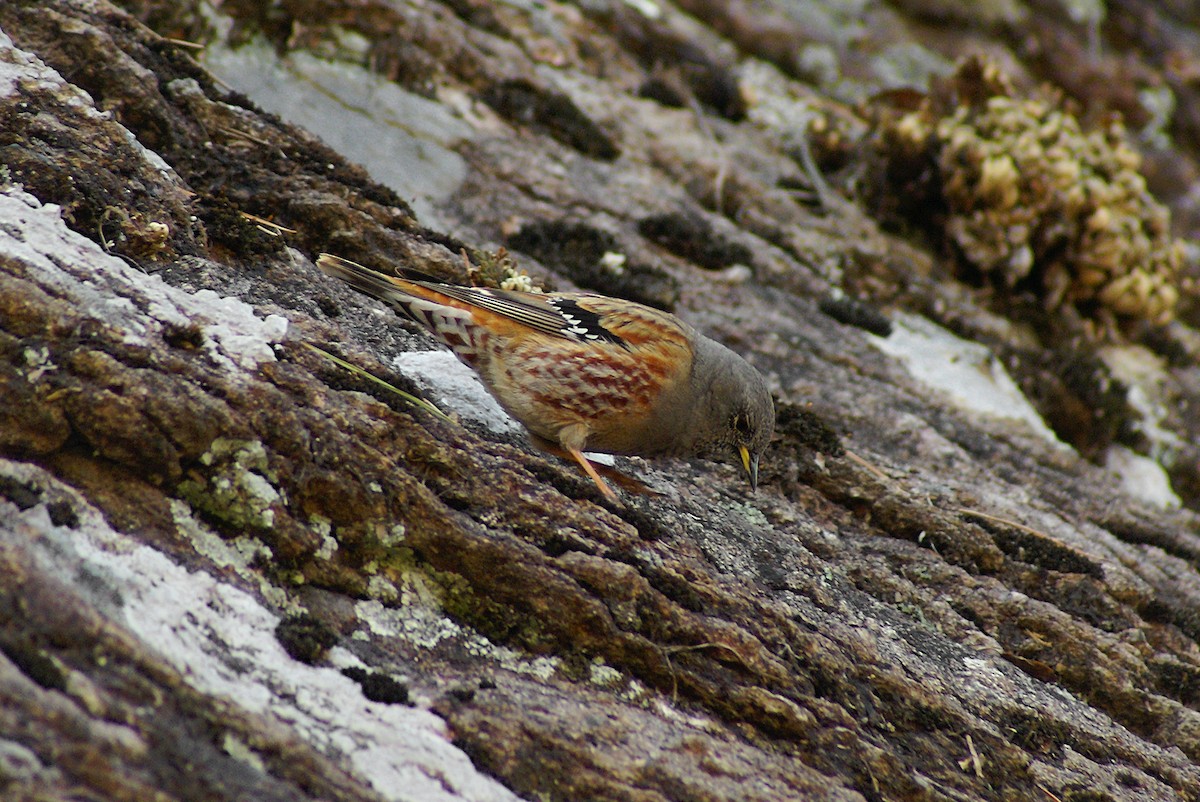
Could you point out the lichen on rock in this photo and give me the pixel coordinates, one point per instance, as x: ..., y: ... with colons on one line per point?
x: 1026, y: 196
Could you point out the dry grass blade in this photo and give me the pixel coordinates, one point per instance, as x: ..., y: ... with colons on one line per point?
x: 185, y: 43
x: 1005, y: 521
x: 420, y: 403
x: 274, y: 229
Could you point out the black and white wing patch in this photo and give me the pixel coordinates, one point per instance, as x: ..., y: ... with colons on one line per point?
x: 563, y: 317
x: 583, y: 324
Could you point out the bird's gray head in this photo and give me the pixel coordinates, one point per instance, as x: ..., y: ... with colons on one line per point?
x: 737, y: 416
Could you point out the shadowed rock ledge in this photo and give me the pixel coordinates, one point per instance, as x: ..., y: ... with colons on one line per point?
x: 234, y: 569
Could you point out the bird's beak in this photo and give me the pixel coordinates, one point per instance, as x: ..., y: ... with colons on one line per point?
x: 750, y: 463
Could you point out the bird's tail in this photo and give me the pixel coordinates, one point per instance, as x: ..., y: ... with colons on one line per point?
x: 363, y: 279
x: 452, y: 325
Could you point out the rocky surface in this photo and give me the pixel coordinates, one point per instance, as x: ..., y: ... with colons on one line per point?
x: 235, y: 569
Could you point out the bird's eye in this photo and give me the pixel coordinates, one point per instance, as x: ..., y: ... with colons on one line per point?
x: 741, y: 425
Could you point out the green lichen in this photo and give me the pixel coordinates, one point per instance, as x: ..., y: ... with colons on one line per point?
x: 751, y: 513
x: 421, y: 619
x: 239, y: 490
x: 429, y: 605
x: 241, y: 553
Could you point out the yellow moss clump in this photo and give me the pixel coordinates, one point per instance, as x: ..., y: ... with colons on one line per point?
x: 1031, y: 198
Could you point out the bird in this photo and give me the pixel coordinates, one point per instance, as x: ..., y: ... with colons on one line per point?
x: 589, y: 373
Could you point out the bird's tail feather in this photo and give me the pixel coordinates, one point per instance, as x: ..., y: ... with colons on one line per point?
x: 453, y: 326
x: 363, y: 279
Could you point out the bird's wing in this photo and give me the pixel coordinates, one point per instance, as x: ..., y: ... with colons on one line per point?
x: 583, y: 317
x: 632, y: 324
x: 566, y: 315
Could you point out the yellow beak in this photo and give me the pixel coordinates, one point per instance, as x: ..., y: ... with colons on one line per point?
x: 750, y: 463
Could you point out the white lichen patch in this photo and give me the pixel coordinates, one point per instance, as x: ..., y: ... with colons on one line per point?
x: 1147, y: 379
x: 381, y: 588
x: 39, y: 363
x: 392, y: 536
x: 613, y: 262
x: 1141, y: 478
x: 321, y: 525
x: 108, y: 290
x: 234, y: 331
x: 419, y: 620
x: 222, y: 642
x: 239, y: 553
x: 455, y: 387
x: 329, y: 547
x: 419, y: 625
x: 962, y: 371
x: 604, y: 675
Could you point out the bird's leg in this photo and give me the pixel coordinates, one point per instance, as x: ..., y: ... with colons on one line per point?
x: 613, y: 475
x: 591, y: 471
x: 570, y: 444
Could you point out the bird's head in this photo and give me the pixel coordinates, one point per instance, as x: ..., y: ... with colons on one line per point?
x: 737, y: 416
